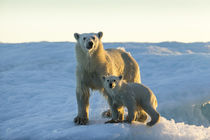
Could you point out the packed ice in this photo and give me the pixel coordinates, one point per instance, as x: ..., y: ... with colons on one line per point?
x: 37, y: 92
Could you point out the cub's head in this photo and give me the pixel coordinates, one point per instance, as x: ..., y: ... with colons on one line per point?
x: 88, y: 41
x: 110, y: 82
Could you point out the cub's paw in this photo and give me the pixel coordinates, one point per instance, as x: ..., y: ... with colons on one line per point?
x: 80, y: 121
x: 150, y: 124
x: 113, y: 121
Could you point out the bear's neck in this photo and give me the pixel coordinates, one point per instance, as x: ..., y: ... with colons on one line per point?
x: 99, y: 54
x: 98, y: 58
x: 96, y: 61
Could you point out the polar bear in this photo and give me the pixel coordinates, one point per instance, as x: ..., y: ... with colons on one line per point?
x: 134, y: 96
x: 93, y: 61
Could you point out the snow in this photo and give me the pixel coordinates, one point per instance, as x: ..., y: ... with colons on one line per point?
x: 37, y: 92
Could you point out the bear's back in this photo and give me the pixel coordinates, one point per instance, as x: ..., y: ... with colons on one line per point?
x: 125, y: 64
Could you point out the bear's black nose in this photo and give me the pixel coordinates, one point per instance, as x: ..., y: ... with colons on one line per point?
x: 90, y: 45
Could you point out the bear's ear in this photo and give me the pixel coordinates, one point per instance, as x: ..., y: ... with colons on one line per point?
x: 100, y: 34
x: 76, y: 36
x: 120, y: 77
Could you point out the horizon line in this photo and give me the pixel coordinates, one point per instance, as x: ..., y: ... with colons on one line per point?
x: 25, y: 42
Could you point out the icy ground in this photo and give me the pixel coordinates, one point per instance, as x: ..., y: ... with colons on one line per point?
x: 37, y: 92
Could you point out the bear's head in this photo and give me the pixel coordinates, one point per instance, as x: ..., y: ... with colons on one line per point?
x: 110, y: 82
x: 88, y: 41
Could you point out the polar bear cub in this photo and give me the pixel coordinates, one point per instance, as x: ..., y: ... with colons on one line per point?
x: 134, y: 96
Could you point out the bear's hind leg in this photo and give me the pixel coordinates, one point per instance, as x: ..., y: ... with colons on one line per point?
x: 141, y: 116
x: 121, y: 113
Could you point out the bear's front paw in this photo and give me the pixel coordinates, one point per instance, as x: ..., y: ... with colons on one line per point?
x: 113, y: 121
x: 80, y: 121
x: 107, y: 114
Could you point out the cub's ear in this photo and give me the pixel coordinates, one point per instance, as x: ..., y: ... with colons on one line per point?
x: 100, y: 34
x: 120, y: 77
x: 103, y: 77
x: 76, y: 36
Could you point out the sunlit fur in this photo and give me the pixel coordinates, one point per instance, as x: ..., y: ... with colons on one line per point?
x: 134, y: 96
x: 93, y: 63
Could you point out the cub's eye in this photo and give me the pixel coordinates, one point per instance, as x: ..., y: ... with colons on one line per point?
x: 84, y: 38
x: 114, y: 80
x: 107, y: 80
x: 93, y: 37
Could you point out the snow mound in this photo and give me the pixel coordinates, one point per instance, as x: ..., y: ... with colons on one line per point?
x: 161, y: 51
x: 37, y: 92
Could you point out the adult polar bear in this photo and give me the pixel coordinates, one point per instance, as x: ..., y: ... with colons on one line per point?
x: 93, y: 61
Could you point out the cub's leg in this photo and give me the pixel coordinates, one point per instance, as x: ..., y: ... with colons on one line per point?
x: 132, y: 110
x: 114, y: 115
x: 155, y: 116
x: 118, y: 109
x: 107, y: 113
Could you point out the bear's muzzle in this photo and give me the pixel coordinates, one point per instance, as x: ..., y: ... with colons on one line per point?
x: 90, y: 45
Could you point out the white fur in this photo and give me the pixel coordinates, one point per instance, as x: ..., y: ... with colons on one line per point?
x: 95, y: 62
x: 134, y: 96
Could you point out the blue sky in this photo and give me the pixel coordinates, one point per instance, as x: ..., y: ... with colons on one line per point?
x: 120, y: 20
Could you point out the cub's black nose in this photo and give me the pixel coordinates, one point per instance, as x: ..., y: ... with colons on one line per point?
x: 110, y: 85
x: 90, y: 45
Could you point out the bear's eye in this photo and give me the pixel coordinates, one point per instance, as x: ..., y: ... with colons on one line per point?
x: 107, y: 80
x: 93, y: 37
x: 84, y: 38
x: 114, y: 80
